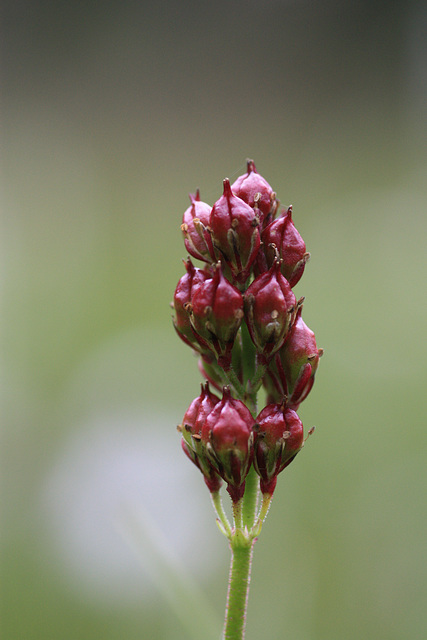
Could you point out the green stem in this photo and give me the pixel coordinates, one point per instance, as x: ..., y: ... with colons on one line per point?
x: 265, y: 505
x: 266, y: 501
x: 250, y: 499
x: 248, y: 354
x: 238, y: 590
x: 257, y: 379
x: 234, y: 382
x: 219, y: 509
x: 238, y: 514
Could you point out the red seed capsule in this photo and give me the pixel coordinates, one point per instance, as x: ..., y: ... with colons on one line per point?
x: 191, y: 443
x: 194, y: 223
x: 216, y: 313
x: 291, y: 247
x: 270, y: 308
x: 185, y: 289
x: 252, y: 188
x: 279, y: 435
x: 291, y: 373
x: 235, y: 233
x: 227, y: 436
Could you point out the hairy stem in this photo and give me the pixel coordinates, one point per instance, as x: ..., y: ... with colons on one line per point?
x: 238, y: 589
x: 265, y: 505
x: 234, y: 381
x: 248, y: 354
x: 238, y: 514
x: 250, y: 499
x: 256, y: 381
x: 219, y: 509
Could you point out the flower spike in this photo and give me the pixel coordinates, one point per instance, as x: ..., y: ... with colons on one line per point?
x: 240, y: 316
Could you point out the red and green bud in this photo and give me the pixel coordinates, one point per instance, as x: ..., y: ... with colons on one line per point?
x: 283, y: 234
x: 279, y: 435
x: 270, y: 308
x: 227, y: 436
x: 234, y: 227
x: 216, y: 313
x: 191, y: 429
x: 253, y: 189
x: 211, y: 478
x: 198, y: 410
x: 292, y: 371
x: 185, y: 289
x: 194, y: 223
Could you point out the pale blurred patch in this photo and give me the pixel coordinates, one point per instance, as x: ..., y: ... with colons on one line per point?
x: 110, y: 460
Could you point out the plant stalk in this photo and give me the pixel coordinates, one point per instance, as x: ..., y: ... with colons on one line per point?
x: 250, y: 498
x: 238, y: 588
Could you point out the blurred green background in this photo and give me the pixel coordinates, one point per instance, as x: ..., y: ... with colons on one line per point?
x: 112, y: 113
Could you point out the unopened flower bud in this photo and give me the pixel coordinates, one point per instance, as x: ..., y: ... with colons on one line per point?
x: 212, y: 479
x: 291, y: 247
x: 185, y: 289
x: 294, y: 366
x: 279, y: 435
x: 198, y: 410
x: 191, y: 428
x: 216, y: 313
x: 253, y: 188
x: 194, y: 223
x: 270, y: 308
x: 228, y: 437
x: 235, y: 233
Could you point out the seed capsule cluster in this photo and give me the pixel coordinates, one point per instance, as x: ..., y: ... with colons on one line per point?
x: 238, y: 312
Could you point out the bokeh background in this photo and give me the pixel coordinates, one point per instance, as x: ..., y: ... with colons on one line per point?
x: 112, y: 112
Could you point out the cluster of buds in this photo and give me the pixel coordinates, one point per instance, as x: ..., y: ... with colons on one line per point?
x: 239, y: 313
